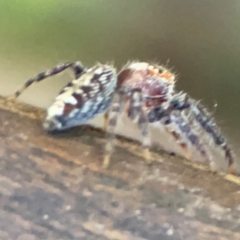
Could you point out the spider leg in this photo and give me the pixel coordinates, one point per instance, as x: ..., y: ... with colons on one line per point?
x: 180, y: 141
x: 167, y: 117
x: 191, y: 136
x: 111, y: 120
x: 105, y: 121
x: 76, y: 66
x: 137, y: 115
x: 159, y: 114
x: 167, y: 120
x: 182, y: 101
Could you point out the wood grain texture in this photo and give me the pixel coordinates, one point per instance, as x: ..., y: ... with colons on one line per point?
x: 53, y: 187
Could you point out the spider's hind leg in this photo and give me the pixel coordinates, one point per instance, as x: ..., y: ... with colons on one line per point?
x: 105, y: 121
x: 76, y: 66
x: 110, y: 124
x: 78, y: 69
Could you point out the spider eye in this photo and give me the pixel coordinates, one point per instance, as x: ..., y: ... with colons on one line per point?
x: 160, y: 70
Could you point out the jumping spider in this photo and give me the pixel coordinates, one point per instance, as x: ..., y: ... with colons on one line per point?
x: 146, y: 92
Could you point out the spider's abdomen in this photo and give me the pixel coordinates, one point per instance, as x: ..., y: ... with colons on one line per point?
x: 82, y: 99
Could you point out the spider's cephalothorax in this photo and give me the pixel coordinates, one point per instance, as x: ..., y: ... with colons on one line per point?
x: 88, y: 95
x: 151, y: 98
x: 143, y: 86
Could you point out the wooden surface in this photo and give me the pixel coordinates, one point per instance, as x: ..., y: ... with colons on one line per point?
x: 53, y: 187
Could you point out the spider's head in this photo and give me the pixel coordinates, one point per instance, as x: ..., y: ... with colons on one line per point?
x: 153, y: 70
x: 162, y: 72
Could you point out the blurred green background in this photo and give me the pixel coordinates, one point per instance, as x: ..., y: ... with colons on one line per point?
x: 200, y: 39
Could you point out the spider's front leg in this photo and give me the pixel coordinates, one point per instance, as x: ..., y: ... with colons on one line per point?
x: 182, y: 101
x: 77, y: 67
x: 167, y: 117
x: 136, y: 114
